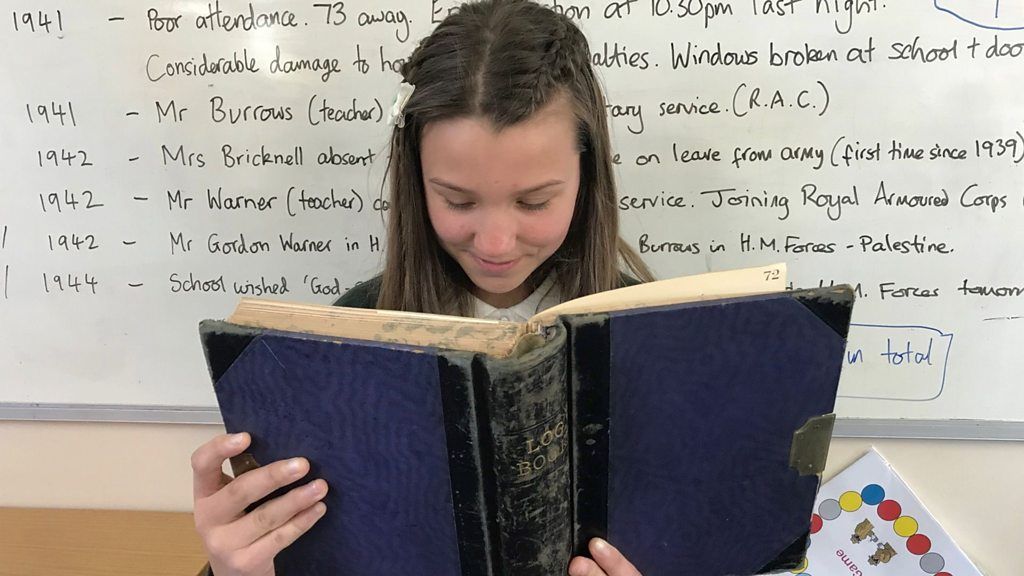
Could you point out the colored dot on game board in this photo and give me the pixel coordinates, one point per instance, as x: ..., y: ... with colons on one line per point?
x: 816, y: 523
x: 850, y: 501
x: 889, y: 510
x: 931, y: 563
x: 829, y: 509
x: 872, y: 494
x: 905, y: 526
x: 798, y: 570
x: 919, y: 544
x: 943, y: 574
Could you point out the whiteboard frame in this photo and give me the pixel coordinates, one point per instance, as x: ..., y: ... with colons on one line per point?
x: 844, y: 428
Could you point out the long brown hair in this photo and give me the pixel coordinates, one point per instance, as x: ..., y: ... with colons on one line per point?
x: 501, y: 60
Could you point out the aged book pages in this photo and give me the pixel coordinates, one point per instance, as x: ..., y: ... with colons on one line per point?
x: 490, y: 336
x: 411, y: 328
x: 709, y: 286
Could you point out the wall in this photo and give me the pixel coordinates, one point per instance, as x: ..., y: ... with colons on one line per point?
x: 972, y: 487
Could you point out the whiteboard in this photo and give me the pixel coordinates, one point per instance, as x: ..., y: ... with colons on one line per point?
x: 869, y: 142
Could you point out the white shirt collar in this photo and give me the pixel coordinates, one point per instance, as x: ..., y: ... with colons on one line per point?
x: 544, y: 297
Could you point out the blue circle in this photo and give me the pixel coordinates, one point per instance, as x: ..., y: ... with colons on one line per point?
x: 872, y: 494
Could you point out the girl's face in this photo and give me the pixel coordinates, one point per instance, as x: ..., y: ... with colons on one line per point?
x: 501, y: 203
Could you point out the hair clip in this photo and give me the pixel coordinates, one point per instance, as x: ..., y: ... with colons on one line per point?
x: 397, y: 115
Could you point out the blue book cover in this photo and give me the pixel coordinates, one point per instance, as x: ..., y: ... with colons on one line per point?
x: 691, y: 436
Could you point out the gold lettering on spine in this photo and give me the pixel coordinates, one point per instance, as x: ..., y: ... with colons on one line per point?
x: 542, y: 449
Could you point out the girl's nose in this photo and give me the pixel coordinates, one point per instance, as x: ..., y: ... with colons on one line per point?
x: 495, y: 237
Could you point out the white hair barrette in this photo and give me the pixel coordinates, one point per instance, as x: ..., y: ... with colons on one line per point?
x: 397, y: 116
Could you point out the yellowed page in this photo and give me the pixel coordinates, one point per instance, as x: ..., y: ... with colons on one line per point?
x: 709, y: 286
x: 489, y: 336
x: 415, y: 329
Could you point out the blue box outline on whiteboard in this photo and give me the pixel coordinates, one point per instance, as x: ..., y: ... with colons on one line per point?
x: 945, y: 363
x: 952, y: 12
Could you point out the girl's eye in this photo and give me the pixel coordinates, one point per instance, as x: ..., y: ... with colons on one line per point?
x: 458, y: 205
x: 533, y: 207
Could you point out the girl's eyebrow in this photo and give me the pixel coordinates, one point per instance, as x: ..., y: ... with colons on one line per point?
x: 451, y: 186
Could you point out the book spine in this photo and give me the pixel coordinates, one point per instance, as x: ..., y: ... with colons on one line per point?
x: 589, y: 366
x: 469, y: 463
x: 528, y: 425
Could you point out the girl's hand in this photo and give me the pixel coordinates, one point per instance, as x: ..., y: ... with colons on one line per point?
x: 607, y: 562
x: 240, y: 544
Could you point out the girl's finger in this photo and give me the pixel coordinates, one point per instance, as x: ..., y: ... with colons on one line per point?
x: 610, y: 559
x: 275, y: 513
x: 208, y: 460
x: 272, y: 543
x: 581, y: 566
x: 230, y: 502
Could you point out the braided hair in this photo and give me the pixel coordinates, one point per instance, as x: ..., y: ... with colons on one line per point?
x: 501, y: 60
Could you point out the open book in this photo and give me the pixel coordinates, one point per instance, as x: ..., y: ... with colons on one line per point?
x: 685, y: 420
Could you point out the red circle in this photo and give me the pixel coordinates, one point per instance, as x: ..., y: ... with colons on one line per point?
x: 889, y: 510
x: 919, y: 544
x: 816, y: 523
x: 943, y: 574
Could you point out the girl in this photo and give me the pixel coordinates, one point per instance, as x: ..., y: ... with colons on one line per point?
x: 503, y: 203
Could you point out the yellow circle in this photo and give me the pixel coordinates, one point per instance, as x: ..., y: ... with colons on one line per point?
x: 850, y: 501
x: 803, y: 566
x: 905, y: 526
